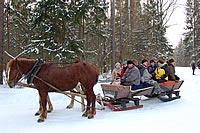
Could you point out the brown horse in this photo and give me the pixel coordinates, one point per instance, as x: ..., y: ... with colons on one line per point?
x: 63, y: 78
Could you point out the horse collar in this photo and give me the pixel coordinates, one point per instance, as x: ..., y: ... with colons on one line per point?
x: 33, y: 71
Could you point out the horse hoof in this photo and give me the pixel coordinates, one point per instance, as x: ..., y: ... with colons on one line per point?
x: 68, y: 107
x: 36, y: 114
x: 84, y: 115
x: 40, y: 120
x: 49, y: 111
x: 90, y: 117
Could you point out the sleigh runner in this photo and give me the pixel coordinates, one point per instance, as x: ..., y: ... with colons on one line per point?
x: 119, y: 97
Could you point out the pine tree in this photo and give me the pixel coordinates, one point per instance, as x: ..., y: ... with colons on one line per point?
x: 18, y: 36
x: 157, y: 30
x: 191, y: 36
x: 179, y: 54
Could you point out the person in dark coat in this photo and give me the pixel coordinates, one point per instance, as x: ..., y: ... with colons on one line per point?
x: 142, y: 67
x: 193, y: 65
x: 171, y: 68
x: 151, y: 68
x: 131, y: 76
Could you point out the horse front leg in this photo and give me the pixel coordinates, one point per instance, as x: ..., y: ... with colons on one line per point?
x: 40, y: 108
x: 50, y: 109
x: 43, y: 104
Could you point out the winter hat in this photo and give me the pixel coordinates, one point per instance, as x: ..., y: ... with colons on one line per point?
x: 152, y: 60
x: 144, y: 60
x: 129, y: 62
x: 76, y: 61
x: 171, y: 60
x: 124, y: 63
x: 161, y: 61
x: 117, y: 64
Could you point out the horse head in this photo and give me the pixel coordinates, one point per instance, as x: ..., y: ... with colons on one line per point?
x: 13, y: 73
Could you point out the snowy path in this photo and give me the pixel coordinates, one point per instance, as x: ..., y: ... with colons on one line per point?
x: 17, y: 108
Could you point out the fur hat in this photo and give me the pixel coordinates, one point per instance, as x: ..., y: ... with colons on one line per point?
x: 130, y: 62
x: 161, y: 61
x: 144, y: 60
x: 171, y: 60
x: 152, y: 60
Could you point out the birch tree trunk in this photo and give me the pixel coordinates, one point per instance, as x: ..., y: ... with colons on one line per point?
x: 135, y: 11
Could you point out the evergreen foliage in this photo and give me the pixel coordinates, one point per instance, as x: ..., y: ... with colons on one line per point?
x: 191, y: 40
x: 64, y: 30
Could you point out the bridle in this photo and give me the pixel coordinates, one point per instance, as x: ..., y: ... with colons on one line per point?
x: 30, y: 75
x: 15, y: 79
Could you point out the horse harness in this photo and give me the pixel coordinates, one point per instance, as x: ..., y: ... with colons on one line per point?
x: 33, y: 72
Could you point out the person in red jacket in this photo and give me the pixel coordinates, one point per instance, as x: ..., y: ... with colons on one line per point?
x: 123, y: 69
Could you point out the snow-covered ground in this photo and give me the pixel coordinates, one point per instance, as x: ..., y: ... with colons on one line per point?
x: 17, y: 108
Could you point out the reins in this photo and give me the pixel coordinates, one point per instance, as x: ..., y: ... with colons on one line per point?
x: 69, y: 93
x: 53, y: 87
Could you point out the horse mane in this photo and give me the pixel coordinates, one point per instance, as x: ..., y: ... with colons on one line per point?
x: 25, y: 60
x: 9, y: 64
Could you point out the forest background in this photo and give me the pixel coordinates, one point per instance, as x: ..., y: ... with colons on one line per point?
x: 100, y: 32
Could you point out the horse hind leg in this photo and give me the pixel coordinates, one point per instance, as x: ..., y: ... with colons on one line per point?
x: 92, y: 109
x: 87, y: 111
x: 83, y: 104
x: 78, y: 88
x: 71, y: 105
x: 82, y: 99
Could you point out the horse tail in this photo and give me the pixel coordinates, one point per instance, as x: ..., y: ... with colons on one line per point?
x: 97, y: 73
x: 97, y: 78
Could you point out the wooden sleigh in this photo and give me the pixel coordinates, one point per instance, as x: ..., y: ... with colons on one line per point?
x: 119, y: 97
